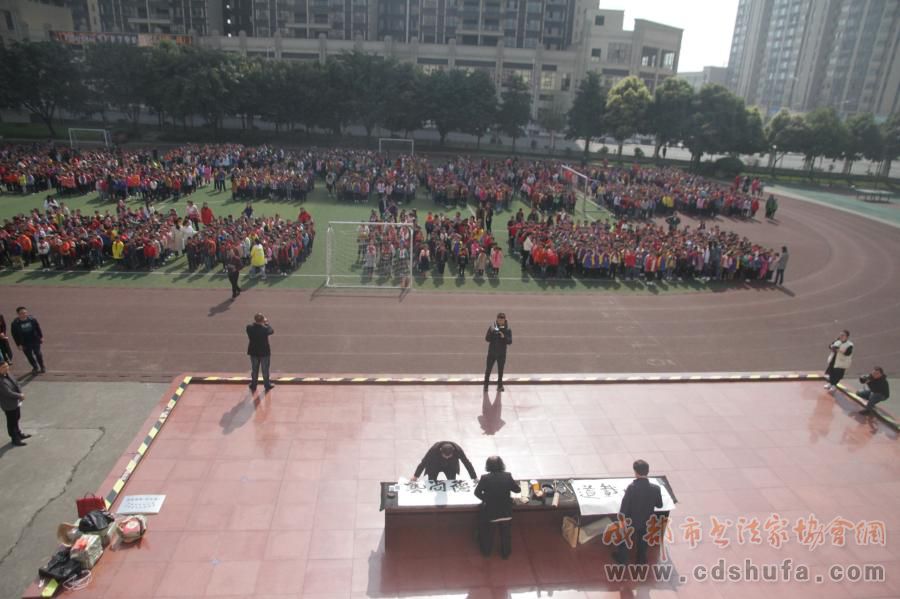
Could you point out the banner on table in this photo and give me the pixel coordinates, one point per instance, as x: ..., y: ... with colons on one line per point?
x: 424, y: 493
x: 602, y: 496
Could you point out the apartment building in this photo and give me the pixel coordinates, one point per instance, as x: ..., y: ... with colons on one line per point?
x: 802, y: 54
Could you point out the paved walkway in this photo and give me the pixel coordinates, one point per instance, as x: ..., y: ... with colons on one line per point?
x: 79, y: 431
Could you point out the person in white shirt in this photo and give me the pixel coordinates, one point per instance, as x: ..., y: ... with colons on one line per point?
x: 839, y: 359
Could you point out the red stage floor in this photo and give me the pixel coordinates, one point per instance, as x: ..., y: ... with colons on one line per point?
x: 280, y: 498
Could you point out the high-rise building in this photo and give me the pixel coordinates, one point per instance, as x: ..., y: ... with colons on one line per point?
x: 802, y: 54
x: 28, y: 20
x: 715, y: 75
x: 180, y: 17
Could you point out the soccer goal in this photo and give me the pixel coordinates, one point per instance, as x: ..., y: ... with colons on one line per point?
x: 369, y: 255
x: 581, y: 183
x: 397, y: 145
x: 88, y: 137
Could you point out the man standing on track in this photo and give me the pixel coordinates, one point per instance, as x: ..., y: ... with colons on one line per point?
x: 498, y: 336
x: 259, y: 351
x: 28, y: 337
x: 233, y: 266
x: 781, y: 265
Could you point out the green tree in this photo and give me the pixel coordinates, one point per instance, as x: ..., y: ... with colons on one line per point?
x: 443, y: 107
x: 42, y: 78
x: 553, y: 121
x: 670, y: 112
x: 366, y: 85
x: 626, y: 109
x: 249, y: 90
x: 586, y: 117
x: 717, y: 124
x: 406, y: 109
x: 479, y: 99
x: 515, y: 109
x: 863, y: 140
x: 890, y: 134
x: 826, y: 136
x: 108, y: 66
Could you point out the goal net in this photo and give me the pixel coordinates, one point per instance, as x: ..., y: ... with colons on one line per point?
x: 369, y: 255
x: 88, y: 137
x: 394, y: 146
x: 581, y: 184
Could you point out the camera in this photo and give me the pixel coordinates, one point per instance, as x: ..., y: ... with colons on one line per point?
x: 865, y: 379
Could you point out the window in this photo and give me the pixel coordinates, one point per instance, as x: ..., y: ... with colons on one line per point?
x: 668, y: 60
x: 548, y: 80
x: 599, y: 21
x: 595, y: 54
x: 7, y: 18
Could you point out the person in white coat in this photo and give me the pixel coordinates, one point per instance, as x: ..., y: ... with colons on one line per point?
x: 839, y: 359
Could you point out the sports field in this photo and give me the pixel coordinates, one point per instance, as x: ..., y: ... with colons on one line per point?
x: 311, y: 274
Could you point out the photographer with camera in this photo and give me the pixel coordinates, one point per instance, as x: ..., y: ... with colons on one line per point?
x: 839, y: 359
x: 498, y: 336
x: 877, y: 389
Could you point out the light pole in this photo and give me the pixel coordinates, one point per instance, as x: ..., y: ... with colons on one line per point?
x: 774, y: 158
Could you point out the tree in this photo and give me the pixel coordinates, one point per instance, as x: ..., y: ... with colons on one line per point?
x: 515, y: 109
x: 552, y: 120
x: 406, y: 110
x: 366, y: 85
x: 42, y: 78
x: 826, y: 136
x: 626, y: 109
x: 443, y: 109
x: 108, y: 66
x: 752, y: 139
x: 670, y: 112
x: 890, y: 135
x: 863, y: 140
x: 249, y: 90
x: 479, y: 99
x: 585, y: 118
x: 718, y: 122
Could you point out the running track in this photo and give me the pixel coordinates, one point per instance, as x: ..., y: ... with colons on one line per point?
x: 843, y: 273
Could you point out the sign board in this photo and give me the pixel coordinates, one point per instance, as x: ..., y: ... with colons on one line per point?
x: 604, y: 495
x: 141, y: 504
x: 429, y: 493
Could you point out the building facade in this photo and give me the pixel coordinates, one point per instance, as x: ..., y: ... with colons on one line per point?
x: 177, y: 17
x: 31, y: 21
x: 709, y: 75
x: 551, y: 59
x: 802, y: 54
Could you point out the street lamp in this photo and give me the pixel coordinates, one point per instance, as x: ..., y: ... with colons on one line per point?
x: 774, y: 158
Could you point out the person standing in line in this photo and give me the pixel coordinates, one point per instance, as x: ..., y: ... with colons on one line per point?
x: 781, y: 265
x: 493, y: 490
x: 839, y: 359
x: 259, y: 351
x: 11, y: 398
x: 498, y: 336
x: 233, y: 266
x: 639, y: 503
x: 877, y: 389
x: 26, y: 332
x: 5, y: 349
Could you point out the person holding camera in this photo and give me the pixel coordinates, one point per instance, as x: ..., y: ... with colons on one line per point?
x: 498, y: 336
x: 876, y: 391
x: 259, y: 351
x: 839, y: 359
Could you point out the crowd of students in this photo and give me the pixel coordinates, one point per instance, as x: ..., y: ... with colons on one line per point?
x: 549, y: 240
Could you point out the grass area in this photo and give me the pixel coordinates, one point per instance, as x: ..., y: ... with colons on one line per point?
x: 311, y: 274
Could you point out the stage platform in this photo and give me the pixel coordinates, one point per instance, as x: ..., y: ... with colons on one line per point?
x: 278, y: 495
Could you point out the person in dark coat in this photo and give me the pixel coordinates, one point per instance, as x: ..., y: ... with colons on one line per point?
x: 233, y: 267
x: 498, y: 336
x: 5, y: 349
x: 639, y: 503
x: 259, y: 351
x: 11, y: 398
x: 444, y: 456
x: 27, y: 334
x: 493, y: 490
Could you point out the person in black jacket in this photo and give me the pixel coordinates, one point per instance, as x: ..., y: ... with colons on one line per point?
x: 496, y: 506
x: 259, y: 351
x: 877, y: 389
x: 444, y: 456
x: 11, y: 398
x: 498, y: 336
x: 639, y: 503
x: 27, y: 334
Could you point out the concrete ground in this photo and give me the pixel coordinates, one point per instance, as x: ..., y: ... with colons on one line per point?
x: 79, y: 431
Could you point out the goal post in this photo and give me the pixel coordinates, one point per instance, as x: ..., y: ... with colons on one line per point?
x: 386, y: 143
x: 370, y: 255
x: 88, y: 137
x: 581, y: 184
